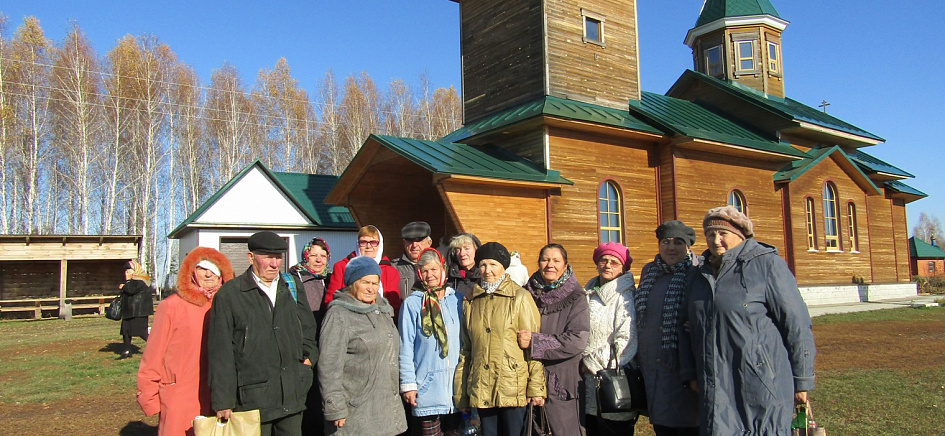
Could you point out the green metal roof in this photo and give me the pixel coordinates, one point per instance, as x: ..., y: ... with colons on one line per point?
x: 902, y: 188
x: 871, y: 164
x: 784, y: 107
x: 921, y: 249
x: 795, y: 169
x: 690, y: 119
x: 552, y: 106
x: 446, y: 157
x: 307, y: 191
x: 716, y: 9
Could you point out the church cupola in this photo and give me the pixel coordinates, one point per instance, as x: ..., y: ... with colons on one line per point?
x: 740, y: 41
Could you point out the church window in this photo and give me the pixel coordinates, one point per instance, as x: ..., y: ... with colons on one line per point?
x: 745, y: 50
x: 593, y: 27
x: 854, y: 236
x: 811, y: 236
x: 737, y: 200
x: 774, y: 58
x: 713, y: 61
x: 608, y: 199
x: 831, y: 230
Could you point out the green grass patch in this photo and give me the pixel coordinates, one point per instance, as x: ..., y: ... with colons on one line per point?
x: 905, y: 314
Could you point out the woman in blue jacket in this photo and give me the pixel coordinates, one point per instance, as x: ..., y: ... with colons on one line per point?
x: 430, y: 321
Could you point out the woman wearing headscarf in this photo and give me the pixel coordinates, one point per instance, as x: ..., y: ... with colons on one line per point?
x: 660, y: 304
x: 137, y: 303
x: 314, y: 273
x: 430, y: 320
x: 560, y: 343
x: 494, y: 374
x: 613, y: 339
x: 172, y: 377
x: 358, y: 350
x: 462, y: 272
x: 752, y: 337
x: 371, y: 245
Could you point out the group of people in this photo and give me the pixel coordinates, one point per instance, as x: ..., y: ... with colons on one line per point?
x: 372, y: 347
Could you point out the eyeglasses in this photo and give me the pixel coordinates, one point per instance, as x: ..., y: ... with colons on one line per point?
x: 609, y: 262
x: 373, y: 243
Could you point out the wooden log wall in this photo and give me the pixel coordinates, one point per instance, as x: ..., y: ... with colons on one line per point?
x: 901, y: 233
x: 822, y: 266
x: 883, y: 247
x: 606, y: 75
x: 589, y: 160
x: 503, y: 54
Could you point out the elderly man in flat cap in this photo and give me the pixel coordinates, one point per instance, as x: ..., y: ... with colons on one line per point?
x: 416, y: 236
x: 261, y: 342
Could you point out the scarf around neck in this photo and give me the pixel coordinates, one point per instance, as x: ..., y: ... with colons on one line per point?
x: 431, y: 315
x: 303, y: 265
x: 207, y: 292
x: 671, y: 304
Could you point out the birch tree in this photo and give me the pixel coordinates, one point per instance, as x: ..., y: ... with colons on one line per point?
x: 359, y: 113
x: 8, y: 74
x: 229, y: 121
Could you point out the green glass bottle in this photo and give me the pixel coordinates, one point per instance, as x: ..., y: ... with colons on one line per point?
x: 800, y: 418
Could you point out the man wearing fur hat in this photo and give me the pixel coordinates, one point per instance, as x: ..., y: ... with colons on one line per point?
x: 753, y: 342
x: 262, y: 342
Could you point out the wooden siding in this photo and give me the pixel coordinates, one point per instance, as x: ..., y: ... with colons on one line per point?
x: 753, y: 80
x: 708, y: 41
x: 774, y: 80
x: 503, y: 54
x: 606, y: 75
x: 589, y: 160
x: 70, y: 250
x: 883, y: 245
x: 901, y: 234
x: 829, y: 267
x: 667, y: 183
x: 393, y: 192
x: 514, y: 217
x: 704, y: 180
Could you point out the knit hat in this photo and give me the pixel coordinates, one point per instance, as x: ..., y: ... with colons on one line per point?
x: 614, y: 249
x: 494, y: 251
x: 730, y: 219
x: 676, y: 229
x: 359, y: 267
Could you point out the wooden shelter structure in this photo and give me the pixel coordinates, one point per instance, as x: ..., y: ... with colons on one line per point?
x: 39, y: 274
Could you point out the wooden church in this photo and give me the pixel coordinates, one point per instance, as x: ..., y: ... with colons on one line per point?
x: 560, y: 144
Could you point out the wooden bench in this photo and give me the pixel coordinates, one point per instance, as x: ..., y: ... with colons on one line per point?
x: 34, y: 305
x: 97, y: 302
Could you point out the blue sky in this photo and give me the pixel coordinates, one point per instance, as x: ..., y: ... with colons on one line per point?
x: 877, y: 63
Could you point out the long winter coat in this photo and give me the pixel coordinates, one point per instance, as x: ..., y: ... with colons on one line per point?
x: 137, y: 299
x: 493, y: 371
x: 172, y: 377
x: 559, y: 345
x: 358, y: 372
x: 613, y: 337
x: 752, y: 341
x: 257, y: 351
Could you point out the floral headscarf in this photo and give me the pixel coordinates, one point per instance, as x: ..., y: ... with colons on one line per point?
x: 138, y: 272
x: 303, y: 264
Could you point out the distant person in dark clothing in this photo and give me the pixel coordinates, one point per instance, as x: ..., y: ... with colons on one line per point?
x: 137, y: 304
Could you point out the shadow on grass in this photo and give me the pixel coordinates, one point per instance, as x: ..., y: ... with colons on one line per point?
x: 138, y: 428
x: 117, y: 347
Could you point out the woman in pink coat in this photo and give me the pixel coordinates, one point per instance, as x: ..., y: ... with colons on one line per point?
x: 172, y: 378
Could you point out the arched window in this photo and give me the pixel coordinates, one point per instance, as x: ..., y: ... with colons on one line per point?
x: 854, y: 236
x: 831, y: 229
x: 811, y: 236
x: 609, y: 223
x: 737, y: 200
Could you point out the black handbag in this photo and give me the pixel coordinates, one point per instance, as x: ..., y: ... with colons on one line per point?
x: 538, y: 425
x: 114, y: 309
x: 620, y: 389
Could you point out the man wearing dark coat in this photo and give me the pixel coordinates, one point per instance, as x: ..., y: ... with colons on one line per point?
x: 261, y: 342
x: 416, y: 236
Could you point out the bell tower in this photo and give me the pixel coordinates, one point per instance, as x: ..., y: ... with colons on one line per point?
x: 516, y: 51
x: 740, y: 41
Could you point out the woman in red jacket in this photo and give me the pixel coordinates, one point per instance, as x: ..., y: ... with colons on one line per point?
x: 370, y: 244
x: 172, y: 378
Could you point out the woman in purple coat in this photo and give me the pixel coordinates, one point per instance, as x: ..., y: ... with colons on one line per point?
x: 565, y: 327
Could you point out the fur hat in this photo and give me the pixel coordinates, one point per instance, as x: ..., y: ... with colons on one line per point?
x: 186, y: 288
x: 494, y: 251
x: 676, y: 229
x: 359, y: 267
x: 614, y: 249
x: 730, y: 219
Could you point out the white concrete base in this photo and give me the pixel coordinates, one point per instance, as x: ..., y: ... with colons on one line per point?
x: 842, y: 294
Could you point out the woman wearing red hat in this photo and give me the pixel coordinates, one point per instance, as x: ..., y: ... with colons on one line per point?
x: 612, y: 341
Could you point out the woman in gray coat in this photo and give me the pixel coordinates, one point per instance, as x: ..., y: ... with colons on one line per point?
x: 358, y: 366
x: 751, y: 333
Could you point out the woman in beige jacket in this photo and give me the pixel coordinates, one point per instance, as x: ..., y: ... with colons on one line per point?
x: 494, y: 374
